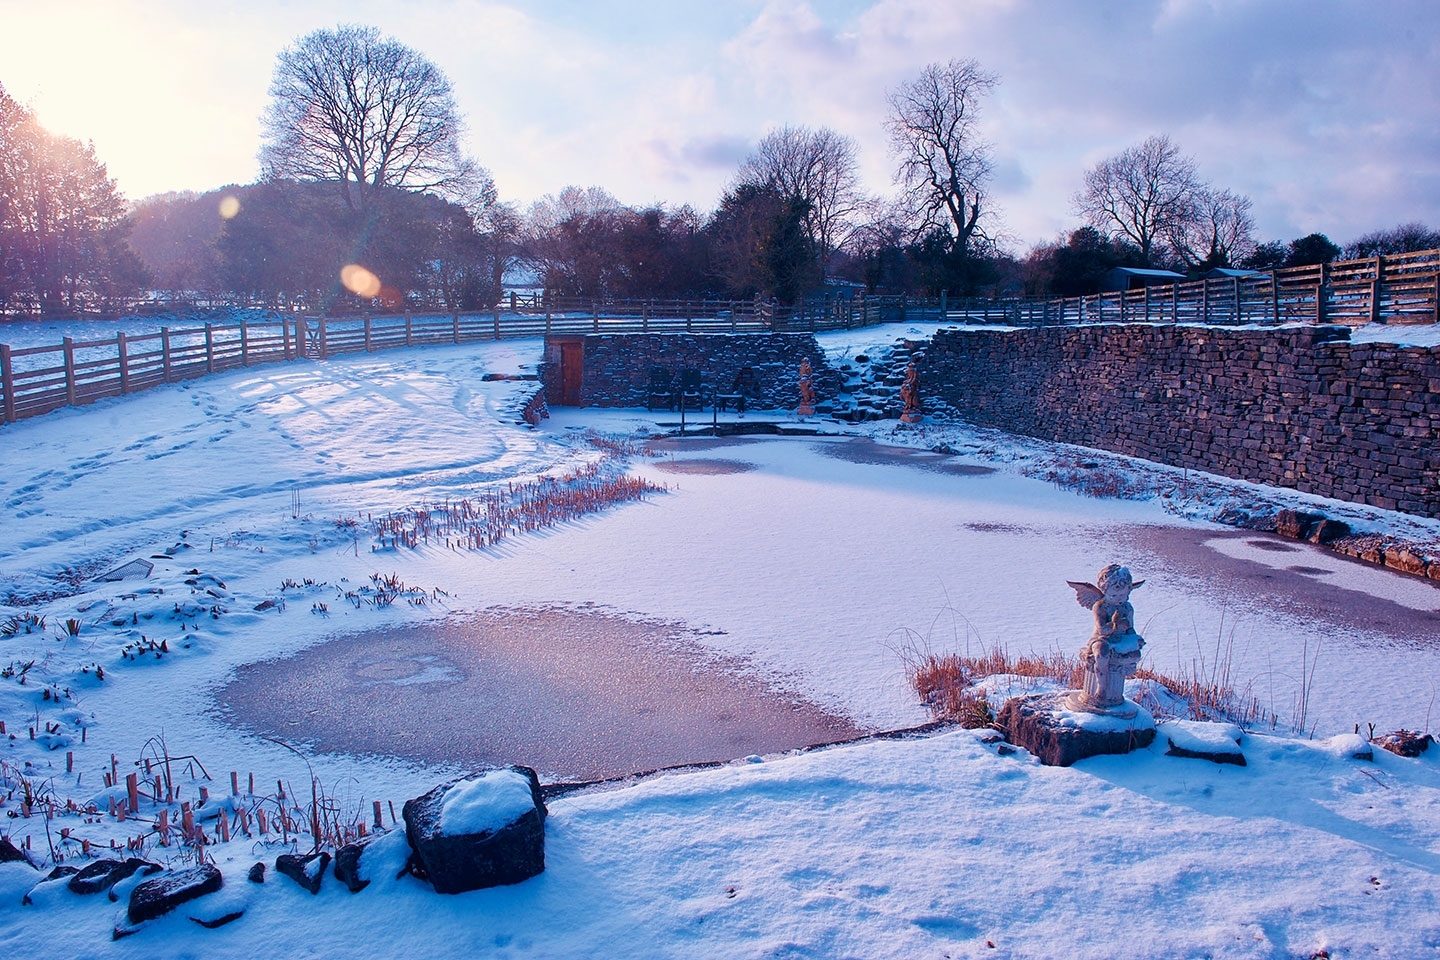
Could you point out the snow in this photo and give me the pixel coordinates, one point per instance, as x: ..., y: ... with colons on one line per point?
x: 486, y: 803
x: 818, y: 573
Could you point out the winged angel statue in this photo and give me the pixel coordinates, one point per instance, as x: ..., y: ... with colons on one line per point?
x: 1113, y: 650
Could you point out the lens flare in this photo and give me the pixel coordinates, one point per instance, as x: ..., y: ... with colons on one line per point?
x: 229, y: 206
x: 359, y: 281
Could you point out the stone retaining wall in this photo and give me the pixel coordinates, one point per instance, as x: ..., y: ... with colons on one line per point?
x: 616, y: 367
x: 1297, y: 407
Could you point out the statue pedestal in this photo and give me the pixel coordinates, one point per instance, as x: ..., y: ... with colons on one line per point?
x: 1059, y: 735
x: 911, y: 417
x: 805, y: 410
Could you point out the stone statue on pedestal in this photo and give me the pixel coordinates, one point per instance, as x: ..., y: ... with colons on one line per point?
x: 1113, y: 651
x: 807, y: 388
x: 910, y: 395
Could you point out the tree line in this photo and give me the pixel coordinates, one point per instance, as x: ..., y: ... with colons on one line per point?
x: 362, y: 167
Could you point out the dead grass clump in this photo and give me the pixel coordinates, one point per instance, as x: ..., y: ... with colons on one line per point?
x: 1091, y: 478
x: 945, y: 684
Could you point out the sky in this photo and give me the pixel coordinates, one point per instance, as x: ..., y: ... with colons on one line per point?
x: 1326, y: 114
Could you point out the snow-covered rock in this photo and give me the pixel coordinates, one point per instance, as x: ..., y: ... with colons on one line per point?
x: 482, y: 831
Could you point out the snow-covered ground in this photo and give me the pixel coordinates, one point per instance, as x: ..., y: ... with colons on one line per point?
x: 816, y: 567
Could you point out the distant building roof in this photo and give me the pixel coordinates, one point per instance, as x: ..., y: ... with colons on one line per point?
x: 1128, y: 278
x: 1220, y: 272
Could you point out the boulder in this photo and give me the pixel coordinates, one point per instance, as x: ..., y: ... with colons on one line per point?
x: 1058, y: 736
x: 308, y: 871
x: 159, y: 895
x: 481, y: 831
x: 347, y: 867
x: 101, y: 875
x: 257, y: 873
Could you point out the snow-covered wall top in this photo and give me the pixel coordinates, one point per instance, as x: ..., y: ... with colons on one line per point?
x: 1298, y: 407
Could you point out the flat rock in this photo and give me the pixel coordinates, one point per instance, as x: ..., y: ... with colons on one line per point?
x: 159, y: 895
x: 1058, y: 736
x: 1296, y: 524
x: 308, y: 871
x: 1349, y: 746
x: 481, y: 831
x: 9, y: 853
x: 1203, y: 740
x: 101, y: 875
x: 1405, y: 743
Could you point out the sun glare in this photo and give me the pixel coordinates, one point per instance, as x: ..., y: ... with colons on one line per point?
x: 229, y: 206
x: 359, y: 281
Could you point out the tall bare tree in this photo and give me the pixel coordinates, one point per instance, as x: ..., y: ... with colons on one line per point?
x: 816, y: 168
x: 1146, y: 192
x: 350, y: 106
x: 1218, y: 232
x: 944, y: 163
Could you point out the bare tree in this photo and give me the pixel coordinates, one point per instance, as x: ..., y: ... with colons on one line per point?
x: 944, y: 163
x: 1218, y: 232
x: 1147, y: 192
x: 815, y: 167
x: 350, y: 106
x: 1406, y: 238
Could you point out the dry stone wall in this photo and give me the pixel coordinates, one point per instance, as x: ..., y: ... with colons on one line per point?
x: 616, y: 367
x: 1297, y: 407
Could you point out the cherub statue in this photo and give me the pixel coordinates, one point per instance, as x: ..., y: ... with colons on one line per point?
x: 807, y: 387
x: 910, y: 394
x: 1113, y: 650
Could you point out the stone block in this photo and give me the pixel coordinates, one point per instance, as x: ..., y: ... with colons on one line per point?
x: 1059, y: 737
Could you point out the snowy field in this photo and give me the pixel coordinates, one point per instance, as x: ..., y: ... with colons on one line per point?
x: 816, y: 564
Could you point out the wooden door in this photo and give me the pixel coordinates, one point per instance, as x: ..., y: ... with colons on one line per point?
x: 571, y: 355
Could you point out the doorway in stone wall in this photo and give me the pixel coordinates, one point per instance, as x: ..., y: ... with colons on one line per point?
x: 572, y: 356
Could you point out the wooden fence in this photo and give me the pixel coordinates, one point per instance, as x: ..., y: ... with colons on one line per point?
x: 37, y: 380
x: 1403, y: 288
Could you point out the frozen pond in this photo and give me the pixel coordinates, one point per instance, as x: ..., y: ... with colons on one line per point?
x: 575, y: 694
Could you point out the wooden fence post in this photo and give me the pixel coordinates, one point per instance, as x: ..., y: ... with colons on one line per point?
x: 367, y: 334
x: 595, y: 315
x: 165, y: 351
x: 547, y: 316
x: 409, y: 332
x: 1147, y: 303
x: 1205, y: 300
x: 7, y: 382
x: 122, y: 352
x: 70, y: 370
x: 1434, y: 306
x: 209, y: 348
x: 1375, y: 292
x: 1274, y: 297
x: 244, y: 343
x: 497, y: 324
x: 1236, y: 292
x: 324, y: 341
